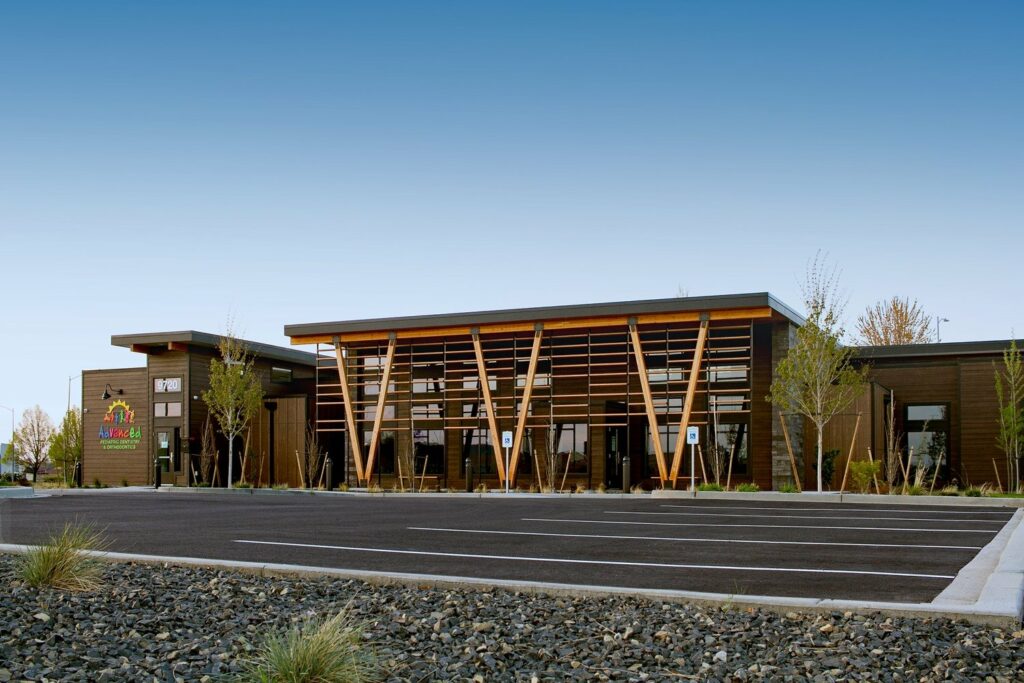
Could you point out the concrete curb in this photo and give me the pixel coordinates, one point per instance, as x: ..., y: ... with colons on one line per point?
x: 393, y: 494
x: 999, y: 603
x: 836, y: 497
x: 16, y: 492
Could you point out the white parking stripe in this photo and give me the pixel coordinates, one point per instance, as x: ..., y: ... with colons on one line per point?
x: 615, y: 563
x: 695, y: 540
x: 763, y: 516
x: 756, y: 526
x: 842, y: 509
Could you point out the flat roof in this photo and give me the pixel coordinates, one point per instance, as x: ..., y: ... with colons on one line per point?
x: 540, y: 314
x: 161, y: 340
x: 969, y: 348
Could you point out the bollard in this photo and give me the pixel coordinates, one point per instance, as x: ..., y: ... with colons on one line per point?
x: 625, y: 473
x: 469, y: 475
x: 156, y: 472
x: 330, y: 473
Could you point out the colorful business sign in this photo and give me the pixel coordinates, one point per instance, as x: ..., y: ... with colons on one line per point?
x: 118, y: 431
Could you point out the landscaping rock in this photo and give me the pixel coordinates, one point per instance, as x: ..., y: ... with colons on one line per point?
x: 165, y: 623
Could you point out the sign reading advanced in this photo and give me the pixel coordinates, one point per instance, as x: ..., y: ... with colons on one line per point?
x: 118, y: 431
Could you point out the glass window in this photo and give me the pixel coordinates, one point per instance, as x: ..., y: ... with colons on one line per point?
x: 427, y: 378
x: 928, y: 447
x: 668, y: 434
x: 280, y: 375
x: 385, y: 451
x: 659, y: 371
x: 723, y: 403
x: 930, y: 413
x: 730, y: 442
x: 541, y: 376
x: 474, y: 410
x: 159, y: 410
x: 672, y: 404
x: 373, y: 371
x: 370, y: 412
x: 428, y: 448
x: 174, y: 409
x: 727, y: 373
x: 570, y: 441
x: 476, y: 445
x: 427, y: 411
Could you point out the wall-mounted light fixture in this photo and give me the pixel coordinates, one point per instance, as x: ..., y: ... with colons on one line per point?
x: 108, y: 391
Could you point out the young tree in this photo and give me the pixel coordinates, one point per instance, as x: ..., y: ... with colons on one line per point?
x: 31, y: 443
x: 66, y: 445
x: 816, y: 379
x: 894, y: 322
x: 235, y: 394
x: 1010, y: 394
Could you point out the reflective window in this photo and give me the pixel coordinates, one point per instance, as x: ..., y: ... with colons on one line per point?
x: 930, y: 413
x: 727, y: 373
x: 723, y: 403
x: 570, y: 441
x: 927, y: 435
x: 385, y: 451
x: 280, y: 375
x: 476, y: 445
x: 668, y: 435
x: 428, y: 451
x: 174, y: 409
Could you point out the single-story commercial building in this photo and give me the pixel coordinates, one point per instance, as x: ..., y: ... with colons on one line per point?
x: 591, y: 395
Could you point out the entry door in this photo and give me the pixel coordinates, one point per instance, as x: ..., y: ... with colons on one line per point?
x: 614, y: 447
x: 167, y: 439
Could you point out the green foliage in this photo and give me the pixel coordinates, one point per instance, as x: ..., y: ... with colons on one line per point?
x: 97, y: 483
x: 343, y: 486
x: 66, y: 444
x: 1010, y: 394
x: 828, y: 465
x: 320, y: 651
x: 61, y: 563
x: 748, y: 488
x: 124, y: 482
x: 30, y: 446
x: 789, y: 488
x: 972, y: 492
x: 862, y: 473
x: 235, y: 394
x: 710, y: 486
x: 816, y: 378
x: 917, y: 490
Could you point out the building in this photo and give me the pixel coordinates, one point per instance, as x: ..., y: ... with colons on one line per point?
x: 137, y: 418
x: 596, y: 395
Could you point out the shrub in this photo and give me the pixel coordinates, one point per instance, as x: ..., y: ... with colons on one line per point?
x: 124, y: 482
x: 916, y: 490
x: 241, y: 485
x: 482, y: 488
x: 581, y: 488
x: 789, y: 488
x: 973, y: 492
x: 828, y: 467
x: 280, y: 487
x: 862, y: 472
x: 61, y: 563
x: 638, y: 489
x: 601, y: 488
x: 710, y: 486
x: 343, y: 486
x: 748, y: 488
x: 326, y: 651
x: 97, y: 483
x: 950, y: 490
x: 202, y: 485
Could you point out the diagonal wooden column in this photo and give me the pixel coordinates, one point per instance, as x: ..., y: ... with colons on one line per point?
x: 691, y: 390
x: 524, y: 408
x: 350, y: 421
x: 492, y: 422
x: 378, y: 417
x: 652, y: 417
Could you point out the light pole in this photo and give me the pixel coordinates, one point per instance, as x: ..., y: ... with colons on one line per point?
x: 70, y: 379
x: 938, y: 333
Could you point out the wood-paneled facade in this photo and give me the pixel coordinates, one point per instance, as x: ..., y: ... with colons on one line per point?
x: 581, y: 390
x: 164, y: 398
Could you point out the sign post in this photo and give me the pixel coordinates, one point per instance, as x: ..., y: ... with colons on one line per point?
x: 506, y: 443
x: 692, y: 438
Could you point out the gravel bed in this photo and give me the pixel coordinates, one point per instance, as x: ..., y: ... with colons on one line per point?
x: 165, y: 623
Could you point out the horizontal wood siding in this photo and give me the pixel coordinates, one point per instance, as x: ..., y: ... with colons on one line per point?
x: 114, y: 466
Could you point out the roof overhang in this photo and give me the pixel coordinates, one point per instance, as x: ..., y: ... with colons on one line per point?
x: 677, y: 309
x: 956, y: 349
x: 160, y: 342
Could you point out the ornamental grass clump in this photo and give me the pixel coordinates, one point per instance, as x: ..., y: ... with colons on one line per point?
x: 63, y: 561
x: 319, y: 651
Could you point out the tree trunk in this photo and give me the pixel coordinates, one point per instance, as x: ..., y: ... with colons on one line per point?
x: 231, y: 458
x: 819, y: 459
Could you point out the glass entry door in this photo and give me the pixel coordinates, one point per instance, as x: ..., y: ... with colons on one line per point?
x: 614, y: 447
x: 167, y: 460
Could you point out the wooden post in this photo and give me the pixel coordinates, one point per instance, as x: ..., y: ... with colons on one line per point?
x: 423, y: 477
x: 935, y: 474
x: 652, y: 418
x: 728, y: 478
x: 568, y: 461
x: 789, y: 449
x: 492, y: 422
x: 378, y: 418
x: 906, y: 470
x: 691, y: 389
x: 524, y: 407
x: 703, y: 472
x: 350, y: 420
x: 849, y: 456
x: 999, y: 482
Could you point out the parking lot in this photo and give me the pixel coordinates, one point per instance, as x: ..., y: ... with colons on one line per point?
x: 817, y: 550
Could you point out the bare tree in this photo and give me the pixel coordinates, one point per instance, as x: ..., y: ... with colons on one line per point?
x: 816, y: 378
x: 894, y: 322
x: 312, y: 460
x: 235, y: 393
x: 31, y: 443
x: 1010, y: 394
x: 892, y: 462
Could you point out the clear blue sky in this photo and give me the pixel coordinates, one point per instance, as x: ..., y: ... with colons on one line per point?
x: 166, y: 165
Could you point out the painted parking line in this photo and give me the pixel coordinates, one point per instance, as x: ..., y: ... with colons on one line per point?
x: 763, y: 516
x: 695, y: 540
x: 615, y: 563
x: 756, y: 526
x: 841, y: 509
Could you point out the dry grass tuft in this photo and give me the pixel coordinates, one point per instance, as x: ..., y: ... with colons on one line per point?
x: 62, y: 563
